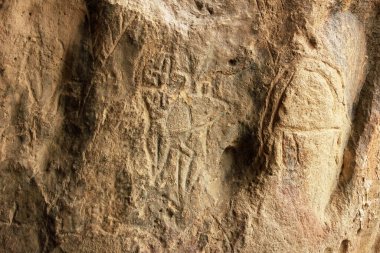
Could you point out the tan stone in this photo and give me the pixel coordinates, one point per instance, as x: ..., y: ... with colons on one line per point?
x: 189, y: 126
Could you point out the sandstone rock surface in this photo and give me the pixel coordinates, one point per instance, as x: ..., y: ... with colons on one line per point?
x: 190, y: 126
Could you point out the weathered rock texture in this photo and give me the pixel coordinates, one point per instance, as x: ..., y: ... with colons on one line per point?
x: 189, y: 126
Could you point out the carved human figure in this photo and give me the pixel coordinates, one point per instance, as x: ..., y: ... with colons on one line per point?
x: 190, y: 126
x: 177, y: 129
x: 314, y: 116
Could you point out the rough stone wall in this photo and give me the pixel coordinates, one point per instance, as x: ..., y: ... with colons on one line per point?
x: 189, y: 126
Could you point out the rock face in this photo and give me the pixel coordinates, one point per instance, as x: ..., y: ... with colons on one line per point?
x: 190, y: 126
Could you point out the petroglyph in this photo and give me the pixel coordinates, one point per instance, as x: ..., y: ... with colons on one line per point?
x: 180, y: 116
x: 189, y: 126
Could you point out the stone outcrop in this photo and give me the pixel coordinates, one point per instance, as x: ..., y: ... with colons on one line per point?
x: 190, y: 126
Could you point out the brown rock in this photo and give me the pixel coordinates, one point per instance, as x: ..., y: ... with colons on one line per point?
x: 190, y: 126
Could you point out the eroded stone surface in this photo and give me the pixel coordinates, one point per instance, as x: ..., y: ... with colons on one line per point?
x: 189, y: 126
